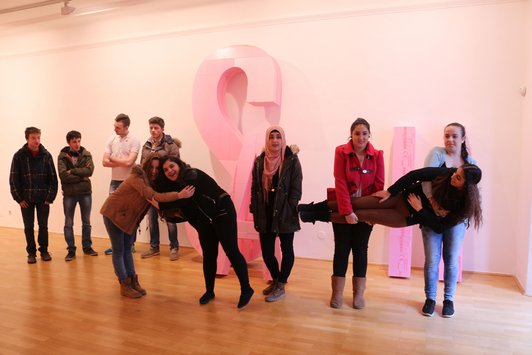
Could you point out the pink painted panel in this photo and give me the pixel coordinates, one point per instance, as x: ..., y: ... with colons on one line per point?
x: 234, y: 150
x: 400, y: 239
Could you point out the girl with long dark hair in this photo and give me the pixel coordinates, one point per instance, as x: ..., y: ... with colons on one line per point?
x: 211, y: 212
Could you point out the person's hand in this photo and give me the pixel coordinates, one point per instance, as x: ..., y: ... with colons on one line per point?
x: 153, y: 202
x: 383, y: 195
x: 415, y: 202
x: 187, y: 192
x: 24, y: 204
x: 351, y: 218
x: 438, y: 210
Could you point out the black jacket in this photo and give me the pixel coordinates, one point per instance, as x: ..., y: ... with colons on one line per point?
x: 454, y: 202
x: 206, y: 203
x: 33, y: 179
x: 287, y: 195
x: 75, y: 179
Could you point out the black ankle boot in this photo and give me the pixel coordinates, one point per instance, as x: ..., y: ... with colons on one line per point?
x: 313, y: 216
x: 320, y: 206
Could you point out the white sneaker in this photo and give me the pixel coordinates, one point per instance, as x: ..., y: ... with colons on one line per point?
x: 173, y: 254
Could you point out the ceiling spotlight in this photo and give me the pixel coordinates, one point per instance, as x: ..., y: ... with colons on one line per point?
x: 67, y: 9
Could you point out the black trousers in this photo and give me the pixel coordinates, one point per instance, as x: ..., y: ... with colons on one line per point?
x: 267, y: 245
x: 28, y: 216
x: 223, y: 230
x: 347, y: 238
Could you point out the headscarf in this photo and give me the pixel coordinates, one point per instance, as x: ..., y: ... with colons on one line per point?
x: 272, y: 160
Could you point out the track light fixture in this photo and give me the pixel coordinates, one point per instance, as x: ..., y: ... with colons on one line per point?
x: 67, y: 9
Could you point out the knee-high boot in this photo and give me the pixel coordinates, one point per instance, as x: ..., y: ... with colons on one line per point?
x: 359, y: 286
x: 338, y: 284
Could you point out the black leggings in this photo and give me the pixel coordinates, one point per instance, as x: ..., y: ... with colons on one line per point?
x: 347, y: 238
x: 223, y: 230
x: 267, y: 245
x: 392, y: 213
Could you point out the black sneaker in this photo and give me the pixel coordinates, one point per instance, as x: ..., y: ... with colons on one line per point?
x: 244, y: 298
x: 428, y: 307
x: 89, y: 251
x: 70, y: 256
x: 448, y: 309
x: 32, y: 259
x: 206, y: 298
x: 45, y: 256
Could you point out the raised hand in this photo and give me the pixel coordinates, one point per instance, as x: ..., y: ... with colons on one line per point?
x: 187, y: 192
x: 383, y: 195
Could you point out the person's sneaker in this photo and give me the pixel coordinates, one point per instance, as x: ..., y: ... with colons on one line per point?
x: 108, y: 251
x: 149, y: 253
x: 90, y: 252
x: 244, y: 298
x: 271, y: 287
x: 173, y: 254
x: 428, y: 308
x: 32, y: 259
x: 277, y: 293
x: 448, y: 309
x: 70, y: 256
x: 45, y: 256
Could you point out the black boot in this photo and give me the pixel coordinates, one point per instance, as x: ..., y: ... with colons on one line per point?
x: 310, y: 216
x: 320, y: 206
x: 313, y: 212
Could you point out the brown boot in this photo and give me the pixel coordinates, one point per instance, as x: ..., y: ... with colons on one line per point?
x: 136, y: 286
x: 126, y: 290
x: 338, y: 284
x: 359, y: 286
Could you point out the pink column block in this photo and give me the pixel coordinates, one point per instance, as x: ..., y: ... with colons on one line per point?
x: 400, y: 239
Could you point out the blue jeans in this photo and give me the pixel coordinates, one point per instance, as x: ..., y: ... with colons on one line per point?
x: 28, y: 217
x: 69, y: 207
x: 153, y: 222
x: 450, y: 241
x: 121, y: 243
x: 114, y: 185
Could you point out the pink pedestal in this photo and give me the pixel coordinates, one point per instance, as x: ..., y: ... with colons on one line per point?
x: 400, y: 239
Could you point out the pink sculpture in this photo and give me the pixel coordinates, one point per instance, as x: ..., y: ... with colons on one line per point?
x: 400, y: 242
x: 236, y: 151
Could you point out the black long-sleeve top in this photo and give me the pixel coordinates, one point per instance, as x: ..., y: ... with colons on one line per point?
x: 204, y: 205
x: 452, y: 201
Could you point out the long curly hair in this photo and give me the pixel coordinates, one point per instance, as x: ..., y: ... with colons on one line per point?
x: 462, y: 203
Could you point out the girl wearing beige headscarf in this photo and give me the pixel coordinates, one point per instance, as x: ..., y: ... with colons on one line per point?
x: 275, y: 193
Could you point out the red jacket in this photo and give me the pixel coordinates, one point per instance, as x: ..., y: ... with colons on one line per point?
x: 349, y: 175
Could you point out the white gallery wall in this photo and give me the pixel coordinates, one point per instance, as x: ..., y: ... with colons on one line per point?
x: 395, y: 63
